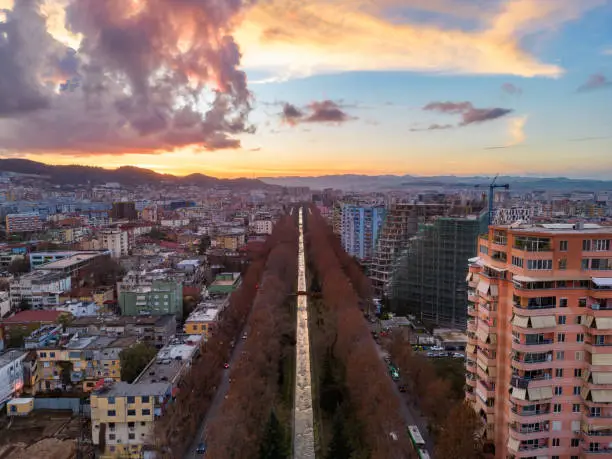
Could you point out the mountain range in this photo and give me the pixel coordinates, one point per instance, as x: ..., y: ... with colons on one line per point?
x: 351, y: 182
x: 127, y: 175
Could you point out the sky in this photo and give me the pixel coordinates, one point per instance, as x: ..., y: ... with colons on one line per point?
x: 255, y: 88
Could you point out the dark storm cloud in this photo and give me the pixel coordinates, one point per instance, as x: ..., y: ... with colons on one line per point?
x: 511, y: 89
x: 149, y: 78
x: 595, y: 81
x: 469, y: 113
x: 326, y: 111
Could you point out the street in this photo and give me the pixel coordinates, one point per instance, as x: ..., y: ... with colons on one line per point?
x: 222, y: 390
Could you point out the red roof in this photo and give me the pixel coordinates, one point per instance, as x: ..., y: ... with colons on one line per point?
x: 33, y: 316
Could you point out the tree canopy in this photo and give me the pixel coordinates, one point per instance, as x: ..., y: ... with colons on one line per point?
x: 134, y: 359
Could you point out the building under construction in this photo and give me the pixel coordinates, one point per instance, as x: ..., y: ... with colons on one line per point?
x: 428, y: 278
x: 401, y: 222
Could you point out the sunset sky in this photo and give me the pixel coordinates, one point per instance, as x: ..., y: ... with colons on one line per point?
x: 336, y: 86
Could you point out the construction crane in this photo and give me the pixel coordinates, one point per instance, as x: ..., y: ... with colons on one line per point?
x: 492, y: 186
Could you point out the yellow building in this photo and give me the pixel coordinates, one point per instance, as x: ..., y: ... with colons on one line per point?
x: 81, y: 362
x: 122, y: 416
x: 230, y: 241
x: 203, y: 320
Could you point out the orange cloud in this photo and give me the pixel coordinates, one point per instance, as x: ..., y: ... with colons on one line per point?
x: 294, y: 39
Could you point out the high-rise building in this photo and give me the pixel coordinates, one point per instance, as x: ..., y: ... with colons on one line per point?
x: 539, y: 353
x: 359, y: 228
x: 28, y: 222
x: 116, y: 241
x: 429, y: 277
x: 124, y: 210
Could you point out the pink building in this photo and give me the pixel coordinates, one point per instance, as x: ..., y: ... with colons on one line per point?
x: 539, y: 354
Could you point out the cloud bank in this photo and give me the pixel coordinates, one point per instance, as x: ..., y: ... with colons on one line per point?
x: 469, y: 113
x: 150, y: 75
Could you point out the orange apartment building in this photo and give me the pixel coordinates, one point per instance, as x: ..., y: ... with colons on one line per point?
x: 539, y: 353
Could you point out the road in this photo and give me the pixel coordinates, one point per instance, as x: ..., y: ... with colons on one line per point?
x: 409, y: 413
x: 222, y: 390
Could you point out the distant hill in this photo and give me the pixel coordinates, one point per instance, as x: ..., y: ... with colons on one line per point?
x: 352, y: 182
x: 128, y: 175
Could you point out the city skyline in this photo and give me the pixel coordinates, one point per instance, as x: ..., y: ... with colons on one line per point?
x: 518, y: 87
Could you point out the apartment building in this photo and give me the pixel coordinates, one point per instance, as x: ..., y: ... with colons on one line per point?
x: 360, y: 225
x: 80, y: 361
x: 203, y: 320
x: 156, y: 292
x: 262, y: 226
x: 39, y: 288
x: 11, y: 374
x: 224, y: 284
x: 28, y: 222
x: 5, y: 303
x: 122, y: 415
x: 116, y: 241
x: 539, y: 353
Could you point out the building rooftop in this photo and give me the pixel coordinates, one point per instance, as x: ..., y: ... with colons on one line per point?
x: 33, y: 316
x: 171, y: 360
x: 11, y: 355
x: 71, y: 260
x: 123, y: 389
x: 559, y: 228
x: 203, y: 314
x: 117, y: 321
x: 42, y: 276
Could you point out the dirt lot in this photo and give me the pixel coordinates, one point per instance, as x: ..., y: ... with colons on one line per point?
x: 42, y: 434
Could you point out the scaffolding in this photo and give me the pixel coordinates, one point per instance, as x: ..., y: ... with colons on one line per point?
x: 428, y: 278
x: 401, y: 222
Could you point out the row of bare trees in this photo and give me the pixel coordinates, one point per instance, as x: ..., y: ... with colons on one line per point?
x: 454, y: 423
x: 176, y: 429
x: 255, y: 395
x: 372, y: 397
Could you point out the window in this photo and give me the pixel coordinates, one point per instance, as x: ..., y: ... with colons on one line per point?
x: 563, y: 263
x: 595, y: 412
x: 111, y: 425
x: 131, y: 399
x: 131, y: 425
x: 560, y: 337
x: 563, y: 302
x: 146, y: 412
x: 577, y: 373
x: 563, y: 246
x: 586, y: 245
x: 484, y: 249
x: 556, y: 442
x: 557, y: 408
x: 131, y: 412
x: 131, y: 436
x: 556, y: 425
x: 580, y: 338
x: 558, y: 390
x: 576, y: 390
x: 582, y: 302
x: 601, y: 264
x: 559, y: 373
x: 539, y: 265
x: 580, y: 356
x: 600, y: 245
x: 576, y: 408
x: 560, y: 356
x: 600, y: 340
x: 578, y: 320
x: 145, y: 399
x: 111, y: 400
x: 575, y: 442
x: 111, y: 436
x: 584, y: 264
x: 517, y: 261
x: 561, y: 320
x: 111, y: 413
x: 52, y: 355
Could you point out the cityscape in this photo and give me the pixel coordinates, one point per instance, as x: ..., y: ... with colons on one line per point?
x: 205, y: 255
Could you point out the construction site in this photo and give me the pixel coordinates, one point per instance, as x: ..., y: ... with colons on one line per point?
x: 427, y: 278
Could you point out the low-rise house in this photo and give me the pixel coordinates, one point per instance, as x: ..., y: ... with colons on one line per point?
x: 25, y: 322
x: 224, y: 284
x: 39, y: 288
x: 156, y: 292
x: 203, y: 320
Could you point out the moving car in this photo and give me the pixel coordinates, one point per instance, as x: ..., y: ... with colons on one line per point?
x: 201, y: 449
x: 244, y: 335
x: 226, y: 365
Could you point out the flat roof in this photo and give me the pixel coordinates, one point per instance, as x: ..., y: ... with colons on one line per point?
x: 11, y: 355
x: 203, y: 315
x: 33, y: 316
x: 21, y: 401
x: 117, y: 321
x: 42, y: 275
x: 123, y: 389
x: 170, y: 361
x: 71, y: 260
x: 558, y: 228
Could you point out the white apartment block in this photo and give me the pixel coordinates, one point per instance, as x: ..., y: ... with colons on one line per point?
x: 39, y: 288
x: 509, y: 215
x: 11, y: 374
x: 116, y: 241
x: 5, y: 303
x: 262, y: 226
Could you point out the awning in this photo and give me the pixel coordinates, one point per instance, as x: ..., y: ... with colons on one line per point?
x: 482, y: 365
x: 473, y: 260
x: 602, y: 281
x: 540, y: 393
x: 520, y: 278
x: 470, y: 348
x: 603, y: 323
x: 521, y: 394
x: 543, y: 322
x: 604, y: 377
x: 483, y: 287
x: 591, y: 428
x: 482, y: 335
x: 601, y: 359
x: 494, y: 290
x: 588, y: 320
x: 520, y: 321
x: 513, y: 444
x: 601, y: 396
x: 494, y: 268
x: 469, y: 277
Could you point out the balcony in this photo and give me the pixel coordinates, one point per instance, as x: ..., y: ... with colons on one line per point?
x: 600, y: 452
x: 530, y: 412
x: 525, y: 382
x: 529, y: 431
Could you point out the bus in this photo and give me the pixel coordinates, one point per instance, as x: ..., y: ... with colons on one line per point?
x: 418, y: 442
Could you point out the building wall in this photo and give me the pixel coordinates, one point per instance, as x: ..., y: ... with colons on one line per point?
x: 117, y: 241
x: 162, y: 298
x: 11, y: 376
x: 359, y: 229
x: 537, y: 341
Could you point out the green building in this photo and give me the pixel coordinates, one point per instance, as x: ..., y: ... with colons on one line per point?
x: 140, y: 295
x: 428, y: 279
x: 224, y: 284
